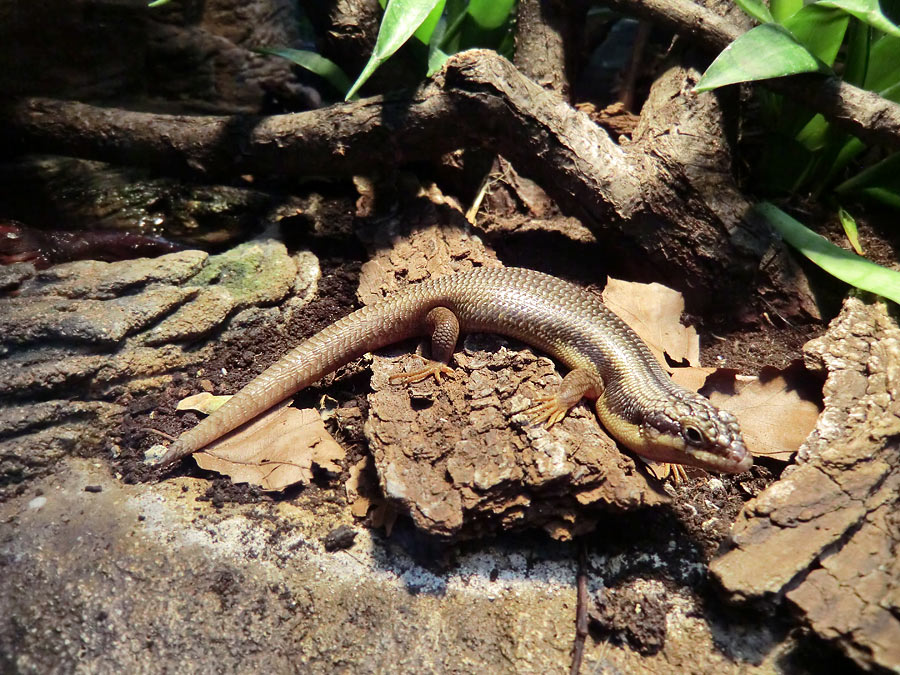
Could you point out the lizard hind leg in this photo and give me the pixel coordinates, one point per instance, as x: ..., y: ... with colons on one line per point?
x: 443, y: 326
x: 576, y: 385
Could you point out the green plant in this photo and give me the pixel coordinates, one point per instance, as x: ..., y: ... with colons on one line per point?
x: 838, y: 262
x: 439, y: 27
x: 804, y: 152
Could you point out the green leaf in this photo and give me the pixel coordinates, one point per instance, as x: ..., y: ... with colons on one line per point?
x: 859, y: 47
x: 761, y: 53
x: 450, y: 40
x: 401, y: 19
x: 783, y: 165
x: 849, y: 151
x: 455, y: 14
x: 507, y: 46
x: 436, y: 60
x: 848, y: 222
x: 784, y: 9
x: 819, y: 29
x: 158, y: 3
x: 426, y: 30
x: 756, y: 9
x: 314, y: 63
x: 887, y: 197
x: 867, y: 11
x: 490, y: 14
x: 884, y: 175
x: 814, y: 135
x: 884, y: 64
x: 891, y: 93
x: 840, y: 263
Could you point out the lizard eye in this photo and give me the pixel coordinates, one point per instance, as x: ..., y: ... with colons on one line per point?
x: 692, y: 435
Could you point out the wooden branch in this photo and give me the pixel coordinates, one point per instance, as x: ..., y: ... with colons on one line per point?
x: 338, y: 140
x: 542, y: 35
x: 482, y: 99
x: 865, y: 114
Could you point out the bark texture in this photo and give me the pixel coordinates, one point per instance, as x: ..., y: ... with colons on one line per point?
x: 825, y: 537
x: 191, y: 55
x: 543, y: 32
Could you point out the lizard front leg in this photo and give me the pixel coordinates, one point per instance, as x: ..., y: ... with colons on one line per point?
x: 576, y: 385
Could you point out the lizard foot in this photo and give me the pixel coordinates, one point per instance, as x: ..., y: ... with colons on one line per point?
x: 547, y: 411
x: 664, y: 470
x: 432, y: 369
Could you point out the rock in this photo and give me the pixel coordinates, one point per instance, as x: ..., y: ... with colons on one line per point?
x: 105, y: 281
x: 98, y: 323
x: 825, y: 537
x: 13, y: 275
x: 78, y: 335
x: 151, y: 577
x: 463, y: 462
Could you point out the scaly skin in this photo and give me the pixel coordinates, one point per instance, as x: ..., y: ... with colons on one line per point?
x: 635, y: 399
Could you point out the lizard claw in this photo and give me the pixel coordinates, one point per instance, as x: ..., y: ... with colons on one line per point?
x: 664, y: 470
x: 547, y: 411
x: 432, y: 369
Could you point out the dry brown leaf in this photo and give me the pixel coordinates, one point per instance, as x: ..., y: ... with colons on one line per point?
x: 204, y: 402
x: 664, y: 470
x: 359, y: 505
x: 692, y: 378
x: 355, y: 480
x: 654, y: 312
x: 275, y: 450
x: 777, y: 410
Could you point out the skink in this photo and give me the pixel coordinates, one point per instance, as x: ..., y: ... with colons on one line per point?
x: 634, y: 398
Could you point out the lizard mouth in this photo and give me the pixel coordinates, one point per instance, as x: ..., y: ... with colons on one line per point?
x: 733, y: 459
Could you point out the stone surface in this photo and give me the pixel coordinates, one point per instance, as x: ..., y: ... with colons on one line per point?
x: 75, y: 337
x: 147, y: 578
x: 826, y: 536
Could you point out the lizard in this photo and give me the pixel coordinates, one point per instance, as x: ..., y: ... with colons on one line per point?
x: 634, y: 398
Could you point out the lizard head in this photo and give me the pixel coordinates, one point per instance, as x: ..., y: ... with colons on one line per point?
x: 688, y: 429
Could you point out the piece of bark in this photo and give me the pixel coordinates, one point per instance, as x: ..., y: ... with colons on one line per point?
x: 432, y: 239
x: 456, y: 456
x: 825, y: 536
x: 461, y: 461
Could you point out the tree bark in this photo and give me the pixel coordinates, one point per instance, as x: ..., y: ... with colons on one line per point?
x: 543, y: 31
